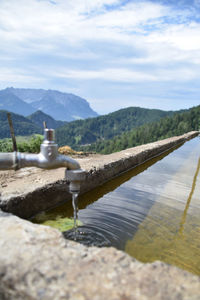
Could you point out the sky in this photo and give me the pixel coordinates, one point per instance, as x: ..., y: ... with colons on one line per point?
x: 113, y: 53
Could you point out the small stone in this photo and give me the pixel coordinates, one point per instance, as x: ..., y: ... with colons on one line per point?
x: 4, y: 184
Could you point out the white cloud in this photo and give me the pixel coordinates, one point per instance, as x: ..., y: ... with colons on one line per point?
x: 123, y: 75
x: 17, y: 76
x: 23, y: 21
x: 131, y: 16
x: 118, y: 75
x: 183, y: 36
x: 41, y: 23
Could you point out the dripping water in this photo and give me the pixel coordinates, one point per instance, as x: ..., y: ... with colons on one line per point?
x: 83, y: 234
x: 75, y: 211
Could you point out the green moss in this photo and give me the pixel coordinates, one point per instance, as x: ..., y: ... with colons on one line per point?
x: 62, y: 224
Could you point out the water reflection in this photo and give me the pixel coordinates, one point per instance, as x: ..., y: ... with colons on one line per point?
x: 183, y: 219
x: 171, y: 232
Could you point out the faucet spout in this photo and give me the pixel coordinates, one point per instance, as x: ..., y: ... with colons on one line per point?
x: 48, y: 158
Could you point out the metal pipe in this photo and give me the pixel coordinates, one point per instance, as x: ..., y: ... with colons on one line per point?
x: 7, y: 161
x: 48, y: 158
x: 44, y: 162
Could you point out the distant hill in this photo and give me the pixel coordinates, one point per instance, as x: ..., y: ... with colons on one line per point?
x: 39, y: 117
x: 59, y: 105
x: 176, y: 124
x: 88, y: 131
x: 11, y: 102
x: 22, y: 126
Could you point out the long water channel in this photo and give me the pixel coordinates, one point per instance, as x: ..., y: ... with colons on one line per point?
x: 151, y: 212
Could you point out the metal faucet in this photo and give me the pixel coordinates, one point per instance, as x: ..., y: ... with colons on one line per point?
x: 48, y: 158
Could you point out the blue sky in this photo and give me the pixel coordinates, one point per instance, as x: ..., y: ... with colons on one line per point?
x: 113, y: 53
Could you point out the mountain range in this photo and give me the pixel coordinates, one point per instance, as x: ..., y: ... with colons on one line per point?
x: 81, y: 132
x: 60, y: 106
x: 24, y: 126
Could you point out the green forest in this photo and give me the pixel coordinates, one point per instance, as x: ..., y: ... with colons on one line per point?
x: 82, y: 132
x: 39, y: 118
x: 29, y: 144
x: 22, y: 125
x: 176, y: 124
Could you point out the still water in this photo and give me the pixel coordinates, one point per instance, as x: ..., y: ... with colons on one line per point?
x: 152, y: 212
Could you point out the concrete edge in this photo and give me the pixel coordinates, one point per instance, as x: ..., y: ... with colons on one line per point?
x: 36, y: 262
x: 56, y: 193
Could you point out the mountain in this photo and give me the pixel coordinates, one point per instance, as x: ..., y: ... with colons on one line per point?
x: 27, y: 95
x: 22, y: 126
x: 65, y: 107
x: 11, y: 102
x: 39, y: 117
x: 176, y: 124
x: 88, y: 131
x: 59, y: 105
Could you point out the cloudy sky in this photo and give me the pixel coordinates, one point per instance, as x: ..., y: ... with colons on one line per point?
x: 114, y: 53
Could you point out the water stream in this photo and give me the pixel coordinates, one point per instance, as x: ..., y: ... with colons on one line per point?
x: 151, y: 212
x: 75, y: 211
x: 83, y: 234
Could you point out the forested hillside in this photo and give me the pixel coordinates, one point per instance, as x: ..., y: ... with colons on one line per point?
x: 176, y: 124
x: 22, y: 126
x: 88, y: 131
x: 39, y: 117
x: 113, y: 132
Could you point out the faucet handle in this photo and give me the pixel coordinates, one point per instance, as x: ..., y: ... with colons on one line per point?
x: 49, y: 135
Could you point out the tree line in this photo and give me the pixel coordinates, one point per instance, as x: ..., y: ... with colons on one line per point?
x: 30, y: 144
x: 176, y: 124
x: 82, y: 132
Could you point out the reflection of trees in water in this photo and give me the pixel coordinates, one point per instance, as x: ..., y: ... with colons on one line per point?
x: 183, y: 219
x: 165, y: 235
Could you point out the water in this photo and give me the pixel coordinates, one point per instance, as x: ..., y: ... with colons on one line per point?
x: 87, y: 236
x: 84, y: 235
x: 152, y: 212
x: 75, y: 210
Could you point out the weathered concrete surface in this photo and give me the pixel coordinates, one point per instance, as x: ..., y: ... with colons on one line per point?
x: 37, y: 263
x: 30, y: 190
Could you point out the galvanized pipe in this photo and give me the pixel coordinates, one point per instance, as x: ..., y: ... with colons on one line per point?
x: 7, y: 161
x: 48, y: 158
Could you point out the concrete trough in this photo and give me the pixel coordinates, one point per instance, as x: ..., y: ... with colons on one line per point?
x: 31, y: 190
